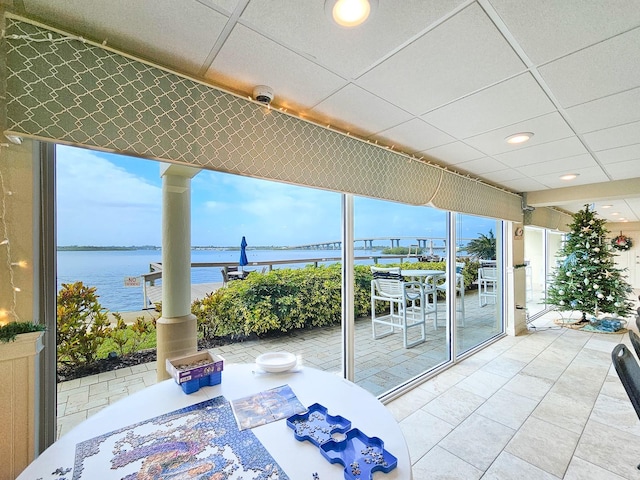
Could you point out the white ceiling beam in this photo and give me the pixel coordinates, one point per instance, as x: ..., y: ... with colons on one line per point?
x: 590, y: 193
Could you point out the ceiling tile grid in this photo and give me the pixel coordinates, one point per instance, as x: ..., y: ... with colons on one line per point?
x: 159, y: 115
x: 445, y: 79
x: 509, y: 102
x: 467, y: 53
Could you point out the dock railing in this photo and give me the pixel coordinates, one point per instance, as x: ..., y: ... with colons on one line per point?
x: 155, y: 269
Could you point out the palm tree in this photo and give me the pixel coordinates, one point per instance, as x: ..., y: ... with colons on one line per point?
x: 483, y: 247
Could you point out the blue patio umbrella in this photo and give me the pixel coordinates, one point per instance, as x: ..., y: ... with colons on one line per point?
x: 243, y: 254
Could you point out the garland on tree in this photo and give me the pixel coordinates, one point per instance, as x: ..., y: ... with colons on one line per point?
x: 621, y: 242
x: 586, y: 278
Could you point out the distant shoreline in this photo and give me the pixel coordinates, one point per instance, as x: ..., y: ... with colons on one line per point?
x: 114, y: 248
x: 111, y: 248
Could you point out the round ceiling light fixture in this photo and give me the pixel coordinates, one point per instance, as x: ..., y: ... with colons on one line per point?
x: 570, y: 176
x: 517, y: 138
x: 349, y: 13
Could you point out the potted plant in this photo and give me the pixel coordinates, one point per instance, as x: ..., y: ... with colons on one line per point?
x: 20, y: 346
x: 10, y: 331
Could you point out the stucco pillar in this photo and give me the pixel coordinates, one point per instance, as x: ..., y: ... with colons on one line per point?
x: 176, y: 329
x: 515, y: 281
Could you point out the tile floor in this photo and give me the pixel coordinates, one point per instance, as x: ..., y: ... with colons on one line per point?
x: 543, y: 405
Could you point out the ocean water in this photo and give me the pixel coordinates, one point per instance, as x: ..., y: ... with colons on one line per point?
x: 107, y: 269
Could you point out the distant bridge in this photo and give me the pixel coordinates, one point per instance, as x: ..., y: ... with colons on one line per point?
x: 420, y: 242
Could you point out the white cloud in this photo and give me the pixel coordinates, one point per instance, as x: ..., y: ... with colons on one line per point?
x: 99, y: 203
x: 266, y: 212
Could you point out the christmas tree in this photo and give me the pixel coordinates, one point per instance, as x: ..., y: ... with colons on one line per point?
x: 586, y: 278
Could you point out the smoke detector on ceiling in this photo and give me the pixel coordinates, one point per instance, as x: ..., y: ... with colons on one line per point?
x: 263, y: 94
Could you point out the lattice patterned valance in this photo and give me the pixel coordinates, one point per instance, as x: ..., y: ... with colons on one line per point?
x: 78, y: 93
x: 548, y: 218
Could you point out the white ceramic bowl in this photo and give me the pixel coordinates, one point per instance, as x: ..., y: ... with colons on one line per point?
x: 276, y: 361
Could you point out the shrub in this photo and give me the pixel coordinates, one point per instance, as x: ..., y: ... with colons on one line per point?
x: 281, y: 300
x: 82, y: 324
x: 128, y: 338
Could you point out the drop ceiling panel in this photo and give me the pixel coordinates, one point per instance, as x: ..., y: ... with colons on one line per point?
x: 567, y: 165
x: 415, y: 135
x: 462, y: 55
x: 548, y: 29
x: 567, y: 147
x: 453, y: 153
x: 622, y: 170
x: 587, y: 175
x: 622, y: 154
x: 620, y: 136
x: 545, y: 128
x: 148, y: 27
x: 505, y: 175
x: 295, y: 80
x: 355, y: 106
x: 603, y: 69
x: 524, y: 185
x: 304, y: 27
x: 606, y: 112
x: 225, y: 5
x: 481, y: 166
x: 503, y: 104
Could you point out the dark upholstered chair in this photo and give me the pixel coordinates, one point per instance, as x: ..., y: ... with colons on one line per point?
x: 635, y: 341
x: 629, y: 373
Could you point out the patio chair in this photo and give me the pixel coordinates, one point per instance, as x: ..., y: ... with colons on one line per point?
x: 232, y: 273
x: 407, y: 308
x: 629, y: 373
x: 459, y: 290
x: 487, y: 285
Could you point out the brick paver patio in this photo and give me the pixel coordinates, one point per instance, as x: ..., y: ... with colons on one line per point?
x: 380, y: 364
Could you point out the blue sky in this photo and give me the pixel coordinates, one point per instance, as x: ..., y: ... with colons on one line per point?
x: 108, y: 199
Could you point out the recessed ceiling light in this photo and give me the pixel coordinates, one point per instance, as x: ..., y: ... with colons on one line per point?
x: 517, y: 138
x: 615, y: 213
x: 349, y: 13
x: 606, y: 206
x: 569, y: 176
x: 621, y: 219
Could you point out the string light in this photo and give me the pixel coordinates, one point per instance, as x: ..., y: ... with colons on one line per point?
x: 9, y: 315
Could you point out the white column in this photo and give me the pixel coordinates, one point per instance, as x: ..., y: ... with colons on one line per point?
x: 515, y: 280
x: 177, y: 328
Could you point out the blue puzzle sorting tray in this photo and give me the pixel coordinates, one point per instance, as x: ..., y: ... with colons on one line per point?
x: 360, y: 455
x: 316, y: 425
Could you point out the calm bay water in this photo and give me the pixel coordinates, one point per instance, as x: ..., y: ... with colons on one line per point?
x: 106, y: 270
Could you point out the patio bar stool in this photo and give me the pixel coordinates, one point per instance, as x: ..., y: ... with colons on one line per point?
x: 407, y: 308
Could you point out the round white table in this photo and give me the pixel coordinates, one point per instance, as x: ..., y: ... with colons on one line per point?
x: 299, y: 460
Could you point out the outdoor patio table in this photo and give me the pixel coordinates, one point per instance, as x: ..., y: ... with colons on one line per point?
x: 298, y: 459
x: 422, y: 276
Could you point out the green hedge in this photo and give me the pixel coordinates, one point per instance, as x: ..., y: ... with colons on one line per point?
x: 281, y: 300
x: 287, y: 299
